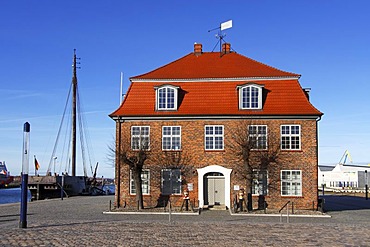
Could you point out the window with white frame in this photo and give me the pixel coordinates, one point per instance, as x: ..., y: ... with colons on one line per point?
x: 290, y: 137
x: 140, y: 137
x: 258, y: 136
x: 214, y: 137
x: 171, y: 137
x: 145, y: 182
x: 250, y: 96
x: 291, y: 183
x: 171, y: 182
x: 166, y: 97
x: 260, y: 178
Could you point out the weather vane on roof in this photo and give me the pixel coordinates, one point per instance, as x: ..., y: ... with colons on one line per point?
x: 220, y: 36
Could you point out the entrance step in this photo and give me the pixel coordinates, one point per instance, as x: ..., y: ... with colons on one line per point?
x: 217, y: 207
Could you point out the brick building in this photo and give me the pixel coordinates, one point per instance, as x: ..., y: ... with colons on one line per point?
x: 215, y: 123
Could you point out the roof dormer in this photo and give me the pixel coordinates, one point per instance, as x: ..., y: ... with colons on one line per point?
x: 250, y: 96
x: 166, y: 97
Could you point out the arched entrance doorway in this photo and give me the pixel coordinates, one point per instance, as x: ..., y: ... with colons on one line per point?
x: 214, y: 186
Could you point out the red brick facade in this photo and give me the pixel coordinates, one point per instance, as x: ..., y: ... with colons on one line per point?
x: 193, y: 144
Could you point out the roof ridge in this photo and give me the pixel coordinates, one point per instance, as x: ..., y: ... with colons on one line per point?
x: 188, y: 67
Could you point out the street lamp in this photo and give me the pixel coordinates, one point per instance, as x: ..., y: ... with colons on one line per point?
x: 25, y: 169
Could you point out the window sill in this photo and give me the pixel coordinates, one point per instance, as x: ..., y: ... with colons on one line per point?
x: 292, y: 196
x: 214, y: 150
x: 161, y: 110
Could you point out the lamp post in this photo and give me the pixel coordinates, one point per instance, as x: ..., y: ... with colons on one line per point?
x: 25, y: 169
x: 366, y: 188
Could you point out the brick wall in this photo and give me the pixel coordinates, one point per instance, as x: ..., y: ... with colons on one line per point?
x: 192, y: 140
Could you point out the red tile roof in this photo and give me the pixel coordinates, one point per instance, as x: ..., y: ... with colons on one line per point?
x: 284, y: 97
x: 217, y: 97
x: 212, y: 65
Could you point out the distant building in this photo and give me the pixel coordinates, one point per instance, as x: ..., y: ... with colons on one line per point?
x: 193, y: 106
x: 343, y: 176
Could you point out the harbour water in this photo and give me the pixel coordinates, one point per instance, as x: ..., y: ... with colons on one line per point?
x: 12, y: 195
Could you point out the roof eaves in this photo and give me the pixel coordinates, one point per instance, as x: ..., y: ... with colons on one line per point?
x: 210, y: 117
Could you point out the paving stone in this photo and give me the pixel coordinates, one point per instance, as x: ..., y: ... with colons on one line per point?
x: 79, y: 221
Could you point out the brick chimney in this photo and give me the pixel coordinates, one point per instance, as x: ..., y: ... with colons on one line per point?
x: 197, y: 49
x: 226, y: 48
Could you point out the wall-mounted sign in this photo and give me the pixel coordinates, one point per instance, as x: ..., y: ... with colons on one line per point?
x: 190, y: 187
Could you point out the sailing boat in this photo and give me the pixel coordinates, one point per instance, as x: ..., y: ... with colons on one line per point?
x: 56, y: 185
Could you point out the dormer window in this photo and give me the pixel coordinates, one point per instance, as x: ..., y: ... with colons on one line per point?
x: 166, y: 97
x: 250, y: 96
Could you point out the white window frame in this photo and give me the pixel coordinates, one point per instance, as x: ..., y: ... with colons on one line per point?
x: 166, y: 107
x: 145, y: 185
x: 141, y: 137
x: 258, y: 136
x: 213, y: 137
x: 291, y: 184
x: 171, y: 137
x: 287, y: 139
x: 172, y: 185
x: 258, y: 180
x: 246, y: 103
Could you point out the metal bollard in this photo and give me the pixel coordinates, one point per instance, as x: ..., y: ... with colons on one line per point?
x: 169, y: 212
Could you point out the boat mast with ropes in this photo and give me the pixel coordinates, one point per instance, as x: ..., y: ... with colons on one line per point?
x: 53, y: 184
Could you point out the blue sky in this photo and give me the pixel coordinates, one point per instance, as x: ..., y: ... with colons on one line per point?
x: 327, y: 42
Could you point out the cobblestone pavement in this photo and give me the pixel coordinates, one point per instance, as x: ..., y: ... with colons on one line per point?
x: 79, y: 221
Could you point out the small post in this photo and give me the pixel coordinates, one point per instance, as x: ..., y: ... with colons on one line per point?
x: 241, y: 199
x: 62, y: 188
x: 323, y: 185
x: 292, y: 207
x: 366, y: 186
x: 25, y: 168
x: 169, y: 211
x: 110, y: 205
x: 249, y: 205
x: 186, y: 199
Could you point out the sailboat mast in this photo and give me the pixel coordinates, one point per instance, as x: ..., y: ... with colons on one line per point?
x: 74, y: 109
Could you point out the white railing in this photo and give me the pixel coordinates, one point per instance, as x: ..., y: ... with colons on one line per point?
x: 286, y: 205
